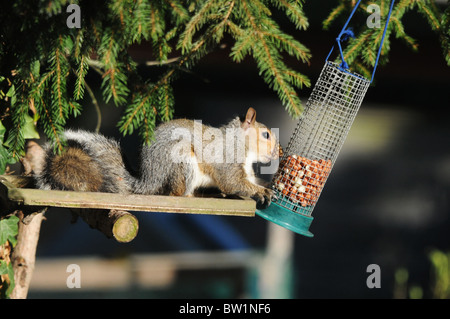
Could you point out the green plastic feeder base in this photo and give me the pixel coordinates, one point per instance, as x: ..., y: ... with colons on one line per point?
x: 288, y: 219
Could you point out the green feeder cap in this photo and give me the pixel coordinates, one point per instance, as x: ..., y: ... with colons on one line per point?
x: 286, y: 218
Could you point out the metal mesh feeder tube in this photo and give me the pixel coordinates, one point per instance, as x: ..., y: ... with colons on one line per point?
x: 314, y: 147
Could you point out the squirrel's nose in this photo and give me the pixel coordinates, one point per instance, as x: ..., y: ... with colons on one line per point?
x: 277, y: 152
x: 280, y: 151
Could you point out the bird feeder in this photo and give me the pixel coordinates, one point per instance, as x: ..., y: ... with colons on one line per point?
x: 314, y: 147
x: 316, y: 142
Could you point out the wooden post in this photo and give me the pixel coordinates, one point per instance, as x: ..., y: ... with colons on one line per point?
x: 24, y: 254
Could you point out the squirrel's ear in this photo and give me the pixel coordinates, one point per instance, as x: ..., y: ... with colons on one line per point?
x: 250, y: 118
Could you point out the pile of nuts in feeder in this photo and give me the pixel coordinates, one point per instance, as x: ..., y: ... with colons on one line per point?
x: 301, y: 179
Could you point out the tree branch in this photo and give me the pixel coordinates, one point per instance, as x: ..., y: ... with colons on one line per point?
x: 24, y: 254
x: 97, y: 107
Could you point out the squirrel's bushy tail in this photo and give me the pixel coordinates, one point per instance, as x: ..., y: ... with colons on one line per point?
x: 90, y: 163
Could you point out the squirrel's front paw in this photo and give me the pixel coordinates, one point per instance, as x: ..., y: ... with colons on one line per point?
x: 263, y: 198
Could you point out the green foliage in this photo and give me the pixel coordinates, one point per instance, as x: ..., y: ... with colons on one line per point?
x: 259, y: 36
x: 440, y: 279
x: 3, y: 152
x: 27, y: 127
x: 360, y: 52
x: 7, y: 284
x: 48, y: 65
x: 441, y: 273
x: 8, y: 232
x: 445, y: 34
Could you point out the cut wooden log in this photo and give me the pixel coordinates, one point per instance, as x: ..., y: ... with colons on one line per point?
x: 116, y: 224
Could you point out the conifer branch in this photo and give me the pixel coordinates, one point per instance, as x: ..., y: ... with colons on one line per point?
x: 16, y: 139
x: 50, y: 129
x: 178, y: 10
x: 42, y: 83
x: 194, y: 24
x: 444, y: 35
x: 149, y: 118
x: 59, y: 79
x: 78, y: 44
x: 333, y: 16
x: 80, y: 83
x: 114, y: 83
x: 430, y: 14
x: 165, y: 102
x: 132, y: 118
x: 294, y: 13
x: 270, y: 63
x: 140, y: 22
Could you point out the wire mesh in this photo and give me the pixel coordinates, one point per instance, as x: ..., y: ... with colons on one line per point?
x: 318, y: 138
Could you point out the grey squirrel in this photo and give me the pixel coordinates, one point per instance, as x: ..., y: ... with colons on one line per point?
x: 184, y: 156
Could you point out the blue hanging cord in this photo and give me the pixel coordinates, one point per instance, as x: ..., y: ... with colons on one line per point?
x: 345, y: 34
x: 382, y: 40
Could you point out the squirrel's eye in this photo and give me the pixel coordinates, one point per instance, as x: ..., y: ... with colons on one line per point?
x: 265, y: 134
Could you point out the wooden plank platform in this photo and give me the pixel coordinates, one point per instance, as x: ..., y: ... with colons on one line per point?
x: 12, y: 190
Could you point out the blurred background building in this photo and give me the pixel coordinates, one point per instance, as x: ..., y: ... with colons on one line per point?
x: 386, y: 202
